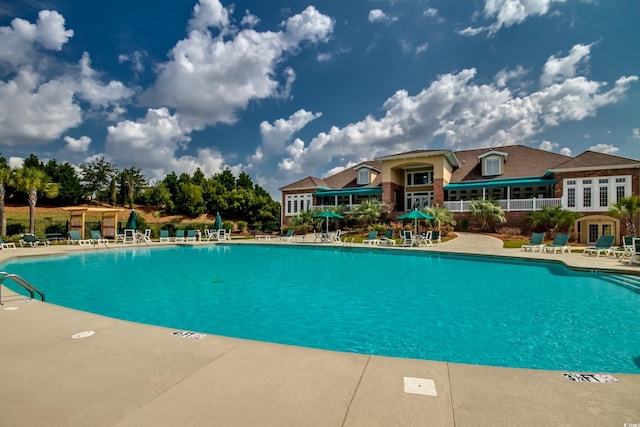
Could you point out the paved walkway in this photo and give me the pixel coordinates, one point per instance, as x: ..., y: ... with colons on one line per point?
x: 129, y: 374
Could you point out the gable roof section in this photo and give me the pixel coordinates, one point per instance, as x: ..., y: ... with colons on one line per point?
x: 308, y: 183
x: 592, y: 160
x: 448, y: 154
x: 348, y: 178
x: 524, y: 162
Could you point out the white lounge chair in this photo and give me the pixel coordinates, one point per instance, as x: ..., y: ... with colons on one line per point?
x: 602, y: 246
x: 372, y: 238
x: 559, y: 244
x: 535, y: 244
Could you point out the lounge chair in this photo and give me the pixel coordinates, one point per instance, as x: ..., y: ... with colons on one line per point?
x: 76, y: 238
x: 387, y: 239
x: 603, y: 245
x: 164, y: 236
x: 179, y: 236
x: 144, y: 237
x: 191, y: 236
x: 6, y: 245
x: 372, y: 238
x: 289, y: 236
x: 559, y: 244
x: 96, y: 238
x: 535, y: 244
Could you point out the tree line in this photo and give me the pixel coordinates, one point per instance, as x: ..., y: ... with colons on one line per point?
x: 101, y: 181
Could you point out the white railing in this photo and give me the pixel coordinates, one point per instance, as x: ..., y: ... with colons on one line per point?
x: 510, y: 205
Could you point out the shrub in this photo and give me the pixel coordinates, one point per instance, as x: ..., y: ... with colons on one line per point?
x: 242, y: 225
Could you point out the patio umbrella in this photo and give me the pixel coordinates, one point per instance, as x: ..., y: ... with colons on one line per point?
x: 132, y: 222
x: 328, y: 215
x: 416, y: 215
x: 218, y: 224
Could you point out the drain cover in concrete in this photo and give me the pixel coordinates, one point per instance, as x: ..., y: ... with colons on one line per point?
x: 420, y: 386
x: 188, y: 334
x: 83, y: 334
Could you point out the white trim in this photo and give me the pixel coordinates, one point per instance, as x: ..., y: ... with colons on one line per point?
x: 596, y: 168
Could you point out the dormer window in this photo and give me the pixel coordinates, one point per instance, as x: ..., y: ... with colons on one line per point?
x: 364, y: 176
x: 492, y: 165
x: 492, y: 162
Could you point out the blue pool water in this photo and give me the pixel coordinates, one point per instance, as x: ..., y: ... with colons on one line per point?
x: 466, y: 309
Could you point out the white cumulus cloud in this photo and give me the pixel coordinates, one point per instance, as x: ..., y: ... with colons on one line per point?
x: 604, y: 148
x: 79, y: 145
x: 560, y: 68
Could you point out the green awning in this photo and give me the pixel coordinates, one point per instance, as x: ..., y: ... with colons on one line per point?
x: 348, y: 191
x: 524, y: 182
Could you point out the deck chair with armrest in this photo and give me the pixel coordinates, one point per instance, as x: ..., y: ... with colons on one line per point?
x: 602, y: 246
x: 560, y: 243
x: 635, y: 251
x: 535, y: 244
x: 624, y: 251
x: 408, y: 239
x: 387, y: 239
x: 31, y: 240
x: 434, y: 236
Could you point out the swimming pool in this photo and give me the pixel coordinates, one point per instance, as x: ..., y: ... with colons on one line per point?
x: 425, y: 305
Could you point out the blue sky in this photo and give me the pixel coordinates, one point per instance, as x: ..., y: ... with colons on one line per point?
x: 284, y: 89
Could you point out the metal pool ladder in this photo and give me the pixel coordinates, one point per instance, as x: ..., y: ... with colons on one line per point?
x: 22, y: 282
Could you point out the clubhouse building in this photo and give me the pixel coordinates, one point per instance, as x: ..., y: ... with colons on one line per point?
x: 519, y: 178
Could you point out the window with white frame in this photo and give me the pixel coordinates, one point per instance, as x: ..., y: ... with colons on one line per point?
x: 364, y: 176
x: 595, y: 194
x: 296, y: 203
x: 492, y: 165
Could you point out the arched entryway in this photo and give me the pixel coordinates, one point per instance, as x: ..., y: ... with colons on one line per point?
x: 589, y: 228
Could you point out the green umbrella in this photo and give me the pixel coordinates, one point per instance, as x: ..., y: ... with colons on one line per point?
x: 328, y: 215
x: 416, y: 215
x: 132, y: 222
x: 218, y: 224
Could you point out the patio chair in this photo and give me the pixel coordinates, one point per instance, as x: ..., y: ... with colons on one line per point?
x: 179, y: 236
x: 624, y: 251
x: 289, y: 236
x: 603, y: 245
x: 144, y: 237
x: 387, y: 239
x: 191, y: 236
x: 96, y: 238
x: 76, y: 238
x: 164, y: 236
x: 31, y: 240
x: 372, y: 238
x: 559, y: 244
x: 408, y: 239
x: 535, y: 244
x: 6, y: 245
x: 635, y: 251
x: 433, y: 237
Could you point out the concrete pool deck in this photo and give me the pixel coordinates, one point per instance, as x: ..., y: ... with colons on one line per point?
x: 130, y: 374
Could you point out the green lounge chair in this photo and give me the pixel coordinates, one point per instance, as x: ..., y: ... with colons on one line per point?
x: 6, y: 245
x: 603, y: 245
x: 31, y: 240
x: 559, y: 244
x: 96, y: 237
x: 164, y: 236
x: 289, y: 236
x: 76, y: 238
x: 372, y: 238
x: 179, y: 236
x: 535, y: 244
x: 191, y: 236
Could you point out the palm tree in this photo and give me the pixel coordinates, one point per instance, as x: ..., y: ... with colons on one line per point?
x: 627, y: 208
x: 442, y: 216
x: 6, y: 177
x: 31, y: 180
x: 553, y: 219
x: 488, y: 213
x: 370, y: 211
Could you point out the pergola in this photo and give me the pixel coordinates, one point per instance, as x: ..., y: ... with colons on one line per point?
x: 109, y: 220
